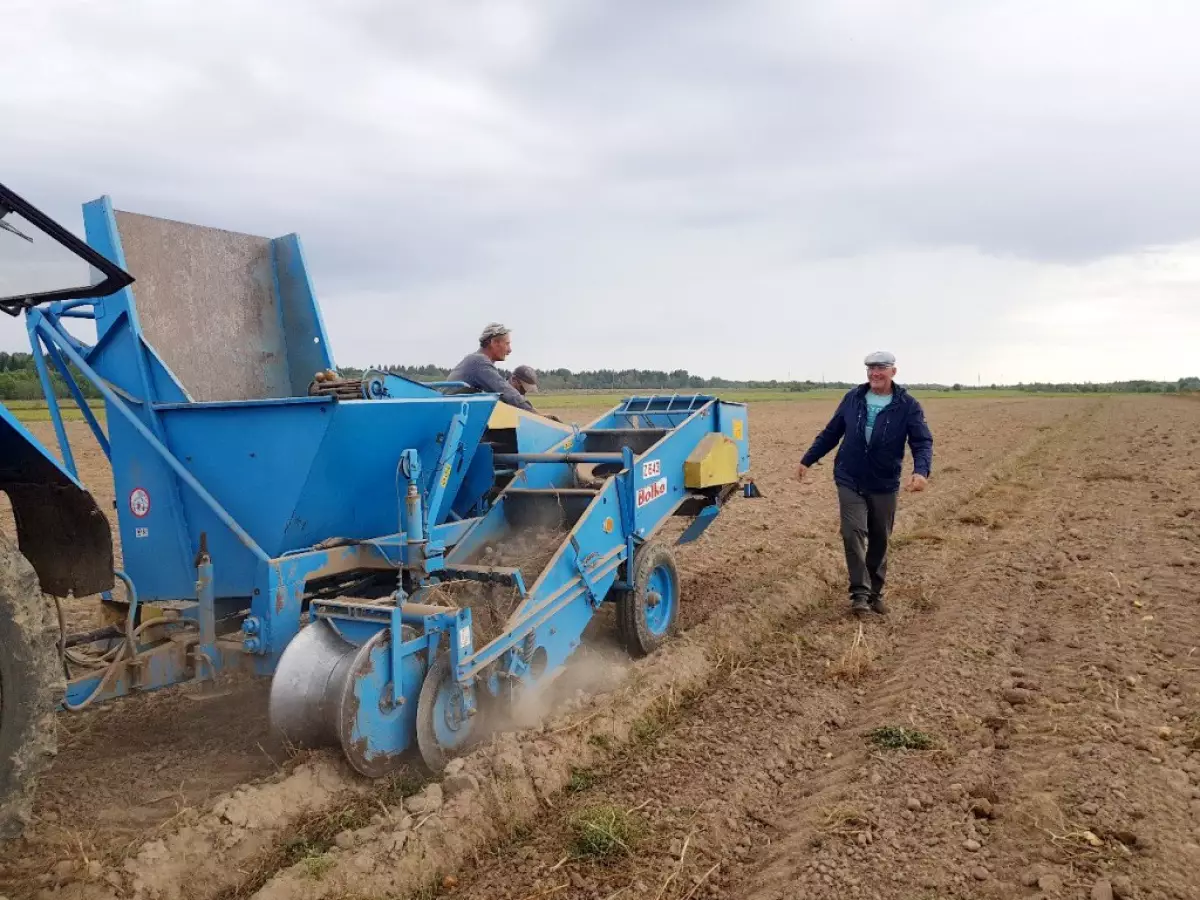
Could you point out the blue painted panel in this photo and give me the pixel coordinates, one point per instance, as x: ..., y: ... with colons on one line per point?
x: 561, y: 636
x: 308, y: 350
x: 479, y: 479
x: 658, y: 487
x: 167, y: 387
x: 296, y: 472
x: 100, y: 228
x: 608, y: 420
x: 151, y: 544
x: 386, y: 730
x: 540, y: 435
x: 389, y: 384
x: 393, y: 426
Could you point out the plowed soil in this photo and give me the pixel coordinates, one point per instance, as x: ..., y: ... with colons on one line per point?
x: 1039, y: 661
x: 1042, y: 656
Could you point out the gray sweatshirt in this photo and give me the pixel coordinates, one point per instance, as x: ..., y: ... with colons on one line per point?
x: 482, y: 375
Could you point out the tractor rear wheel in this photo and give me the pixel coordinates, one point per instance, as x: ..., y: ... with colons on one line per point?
x: 31, y: 681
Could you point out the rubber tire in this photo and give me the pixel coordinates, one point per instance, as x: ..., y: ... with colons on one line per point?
x: 619, y: 599
x: 639, y: 641
x: 432, y: 753
x: 31, y: 684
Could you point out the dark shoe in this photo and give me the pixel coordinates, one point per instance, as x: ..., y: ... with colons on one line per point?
x: 859, y: 605
x: 876, y: 606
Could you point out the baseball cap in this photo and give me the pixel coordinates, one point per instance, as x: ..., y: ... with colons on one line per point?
x: 527, y: 376
x: 493, y: 330
x: 880, y: 358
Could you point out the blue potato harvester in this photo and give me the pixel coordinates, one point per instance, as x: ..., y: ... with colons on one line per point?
x: 317, y: 529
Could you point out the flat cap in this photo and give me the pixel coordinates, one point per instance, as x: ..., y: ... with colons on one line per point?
x: 880, y: 358
x: 493, y: 330
x: 526, y: 375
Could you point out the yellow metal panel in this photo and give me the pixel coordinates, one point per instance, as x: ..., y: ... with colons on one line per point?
x: 712, y: 463
x: 504, y: 416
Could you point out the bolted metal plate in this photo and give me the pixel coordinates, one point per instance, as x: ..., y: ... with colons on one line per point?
x: 375, y: 727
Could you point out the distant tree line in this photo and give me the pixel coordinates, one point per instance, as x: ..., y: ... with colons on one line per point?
x: 609, y: 379
x: 1138, y: 386
x: 19, y: 381
x: 681, y: 379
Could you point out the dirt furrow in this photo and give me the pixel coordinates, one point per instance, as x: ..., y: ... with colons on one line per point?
x: 1104, y: 767
x: 1041, y: 782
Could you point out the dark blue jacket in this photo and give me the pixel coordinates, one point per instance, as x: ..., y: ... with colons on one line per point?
x: 874, y: 468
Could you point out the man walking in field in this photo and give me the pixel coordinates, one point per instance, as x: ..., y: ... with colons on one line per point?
x: 873, y: 421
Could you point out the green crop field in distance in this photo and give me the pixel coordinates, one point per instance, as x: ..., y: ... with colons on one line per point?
x: 37, y: 411
x: 575, y: 399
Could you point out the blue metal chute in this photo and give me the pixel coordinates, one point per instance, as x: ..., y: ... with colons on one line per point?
x: 292, y: 473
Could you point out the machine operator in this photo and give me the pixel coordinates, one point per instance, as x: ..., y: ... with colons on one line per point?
x: 479, y: 371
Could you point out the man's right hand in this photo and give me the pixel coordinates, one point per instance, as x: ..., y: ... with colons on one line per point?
x: 800, y: 472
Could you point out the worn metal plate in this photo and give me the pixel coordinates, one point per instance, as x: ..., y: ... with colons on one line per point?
x: 207, y: 302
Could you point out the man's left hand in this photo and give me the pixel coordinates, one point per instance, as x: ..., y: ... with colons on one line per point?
x: 917, y: 483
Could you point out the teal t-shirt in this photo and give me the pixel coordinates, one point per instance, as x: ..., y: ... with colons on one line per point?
x: 875, y: 403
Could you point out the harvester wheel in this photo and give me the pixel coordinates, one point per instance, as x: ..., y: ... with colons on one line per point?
x: 443, y: 727
x: 649, y: 614
x: 31, y: 682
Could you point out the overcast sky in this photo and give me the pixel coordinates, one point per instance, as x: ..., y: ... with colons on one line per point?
x: 995, y: 190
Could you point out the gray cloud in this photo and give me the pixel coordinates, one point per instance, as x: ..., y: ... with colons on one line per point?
x: 640, y: 175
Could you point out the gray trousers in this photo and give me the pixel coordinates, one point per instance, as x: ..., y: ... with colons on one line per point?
x: 867, y: 521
